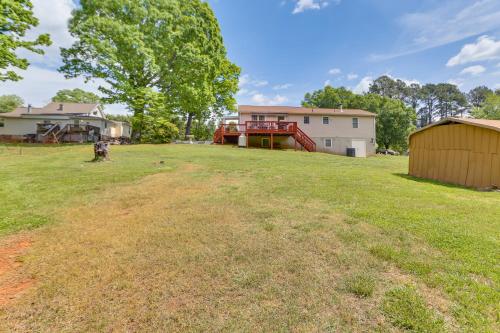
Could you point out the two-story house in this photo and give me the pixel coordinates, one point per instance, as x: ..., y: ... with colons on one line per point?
x: 325, y: 130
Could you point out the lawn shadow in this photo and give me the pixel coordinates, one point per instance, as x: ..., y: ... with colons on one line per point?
x: 435, y: 182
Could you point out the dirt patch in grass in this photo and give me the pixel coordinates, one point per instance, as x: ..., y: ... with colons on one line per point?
x: 12, y: 284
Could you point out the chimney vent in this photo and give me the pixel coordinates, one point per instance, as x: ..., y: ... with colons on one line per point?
x: 61, y: 107
x: 29, y: 108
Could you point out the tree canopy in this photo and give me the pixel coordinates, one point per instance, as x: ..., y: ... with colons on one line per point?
x: 9, y: 103
x: 169, y: 50
x: 75, y: 96
x: 477, y: 96
x: 15, y: 20
x: 489, y: 109
x: 433, y: 102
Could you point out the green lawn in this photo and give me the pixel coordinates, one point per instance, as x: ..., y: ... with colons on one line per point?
x: 210, y: 238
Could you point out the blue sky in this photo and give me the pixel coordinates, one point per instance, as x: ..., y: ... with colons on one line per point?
x: 289, y: 47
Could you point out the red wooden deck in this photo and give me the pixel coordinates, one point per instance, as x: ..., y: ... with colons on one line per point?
x: 268, y: 128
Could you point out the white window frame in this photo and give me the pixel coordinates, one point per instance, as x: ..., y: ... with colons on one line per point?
x: 357, y: 122
x: 255, y: 117
x: 331, y: 143
x: 327, y: 120
x: 308, y: 120
x: 281, y: 118
x: 262, y: 118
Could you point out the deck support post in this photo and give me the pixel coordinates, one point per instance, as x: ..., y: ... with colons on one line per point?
x: 248, y: 137
x: 272, y: 141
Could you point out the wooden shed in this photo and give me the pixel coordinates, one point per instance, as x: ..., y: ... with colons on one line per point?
x: 458, y: 151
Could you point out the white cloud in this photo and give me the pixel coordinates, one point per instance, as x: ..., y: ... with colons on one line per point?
x: 334, y: 71
x: 457, y: 82
x: 328, y: 83
x: 485, y: 48
x: 451, y: 21
x: 261, y: 99
x: 283, y: 86
x: 246, y: 80
x: 352, y: 76
x: 473, y: 70
x: 303, y: 5
x: 405, y: 80
x: 363, y: 85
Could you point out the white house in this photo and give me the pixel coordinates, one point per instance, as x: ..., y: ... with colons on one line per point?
x: 61, y: 122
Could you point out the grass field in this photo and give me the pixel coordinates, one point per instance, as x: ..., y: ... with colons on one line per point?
x: 210, y: 238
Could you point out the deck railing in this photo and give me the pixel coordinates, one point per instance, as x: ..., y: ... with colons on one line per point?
x: 265, y: 127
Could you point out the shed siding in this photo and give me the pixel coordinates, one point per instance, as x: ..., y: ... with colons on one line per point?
x: 457, y: 153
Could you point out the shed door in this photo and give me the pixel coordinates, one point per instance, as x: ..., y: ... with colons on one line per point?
x: 360, y: 146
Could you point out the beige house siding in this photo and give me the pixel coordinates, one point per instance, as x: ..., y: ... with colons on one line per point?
x: 17, y: 126
x: 339, y: 130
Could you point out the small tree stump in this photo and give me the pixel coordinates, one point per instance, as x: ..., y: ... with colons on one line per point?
x: 101, y: 151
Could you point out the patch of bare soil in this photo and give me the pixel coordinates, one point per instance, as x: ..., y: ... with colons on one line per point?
x: 11, y: 283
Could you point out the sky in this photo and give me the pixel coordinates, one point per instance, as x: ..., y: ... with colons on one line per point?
x: 289, y: 47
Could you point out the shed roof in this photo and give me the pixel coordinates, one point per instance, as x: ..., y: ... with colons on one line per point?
x: 484, y: 123
x: 304, y: 111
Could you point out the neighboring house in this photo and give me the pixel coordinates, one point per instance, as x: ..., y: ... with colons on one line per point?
x: 61, y: 122
x: 326, y: 130
x: 458, y: 151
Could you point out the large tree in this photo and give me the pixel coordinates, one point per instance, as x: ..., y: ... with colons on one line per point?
x: 139, y: 48
x: 197, y: 76
x: 389, y: 87
x: 75, y: 96
x: 490, y: 108
x: 450, y: 101
x: 16, y: 18
x: 477, y: 96
x: 329, y: 97
x: 428, y: 99
x: 9, y: 103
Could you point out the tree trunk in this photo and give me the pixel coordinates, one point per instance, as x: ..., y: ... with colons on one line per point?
x: 188, y: 124
x: 137, y: 125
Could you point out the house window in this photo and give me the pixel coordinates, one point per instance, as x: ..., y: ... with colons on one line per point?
x: 105, y: 124
x: 355, y: 122
x: 326, y: 120
x: 254, y: 117
x: 262, y: 118
x: 281, y: 118
x: 328, y: 143
x: 306, y: 119
x: 2, y: 124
